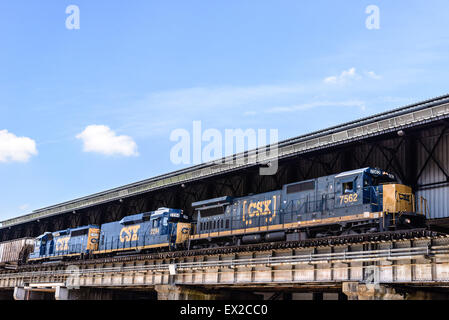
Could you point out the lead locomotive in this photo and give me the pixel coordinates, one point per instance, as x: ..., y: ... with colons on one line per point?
x: 358, y: 201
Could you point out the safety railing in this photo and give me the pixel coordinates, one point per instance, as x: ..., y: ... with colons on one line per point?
x: 423, y: 206
x: 389, y: 254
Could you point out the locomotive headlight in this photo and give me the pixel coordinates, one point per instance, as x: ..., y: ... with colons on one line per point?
x: 407, y: 220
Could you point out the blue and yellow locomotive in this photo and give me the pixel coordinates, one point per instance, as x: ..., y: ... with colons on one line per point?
x: 163, y: 228
x: 66, y: 243
x: 358, y: 201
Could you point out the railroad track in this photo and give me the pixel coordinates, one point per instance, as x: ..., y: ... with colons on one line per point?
x: 412, y: 234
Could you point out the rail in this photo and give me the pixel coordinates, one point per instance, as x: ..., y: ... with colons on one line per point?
x: 311, y: 258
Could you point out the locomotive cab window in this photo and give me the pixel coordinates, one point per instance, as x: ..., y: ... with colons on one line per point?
x: 155, y: 223
x: 348, y: 187
x: 81, y: 232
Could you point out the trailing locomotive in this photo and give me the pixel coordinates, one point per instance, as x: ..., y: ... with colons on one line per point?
x: 76, y: 242
x: 163, y: 228
x: 358, y: 201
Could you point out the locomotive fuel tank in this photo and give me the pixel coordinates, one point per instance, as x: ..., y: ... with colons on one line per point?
x: 275, y: 236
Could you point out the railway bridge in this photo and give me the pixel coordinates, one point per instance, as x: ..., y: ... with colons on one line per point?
x: 393, y: 265
x: 411, y: 141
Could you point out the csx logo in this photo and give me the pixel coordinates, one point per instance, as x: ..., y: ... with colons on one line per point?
x: 62, y: 243
x: 259, y: 208
x: 129, y: 233
x: 404, y: 196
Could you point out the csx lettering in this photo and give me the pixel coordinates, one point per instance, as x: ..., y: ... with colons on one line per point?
x: 62, y: 244
x: 348, y: 198
x: 248, y: 309
x: 403, y: 196
x: 129, y: 233
x: 260, y: 208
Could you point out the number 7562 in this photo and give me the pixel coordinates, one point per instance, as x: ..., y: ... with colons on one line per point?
x: 347, y: 198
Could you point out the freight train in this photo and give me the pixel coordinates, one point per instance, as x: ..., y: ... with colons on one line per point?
x: 360, y: 201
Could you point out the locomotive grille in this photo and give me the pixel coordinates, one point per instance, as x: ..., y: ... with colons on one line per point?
x: 303, y: 186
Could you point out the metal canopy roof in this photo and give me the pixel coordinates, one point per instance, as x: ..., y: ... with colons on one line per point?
x: 210, y: 202
x: 408, y: 116
x: 349, y: 173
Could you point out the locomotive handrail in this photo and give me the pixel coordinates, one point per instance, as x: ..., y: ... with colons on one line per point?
x: 145, y: 236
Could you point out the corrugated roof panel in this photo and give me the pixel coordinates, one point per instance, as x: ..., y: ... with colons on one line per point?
x: 437, y: 196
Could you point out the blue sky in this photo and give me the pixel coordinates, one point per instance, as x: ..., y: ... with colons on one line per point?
x: 135, y: 72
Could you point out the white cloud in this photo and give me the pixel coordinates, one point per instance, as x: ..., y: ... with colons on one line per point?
x: 344, y: 77
x: 250, y: 113
x: 373, y: 75
x: 101, y: 139
x: 207, y: 102
x: 24, y: 207
x: 16, y: 149
x: 350, y: 75
x: 317, y: 104
x: 200, y: 102
x: 203, y: 97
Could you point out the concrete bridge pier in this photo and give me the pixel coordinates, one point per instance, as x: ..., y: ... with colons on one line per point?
x: 361, y: 291
x: 21, y: 293
x: 64, y: 293
x: 60, y: 293
x: 177, y: 292
x: 6, y: 295
x: 174, y: 292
